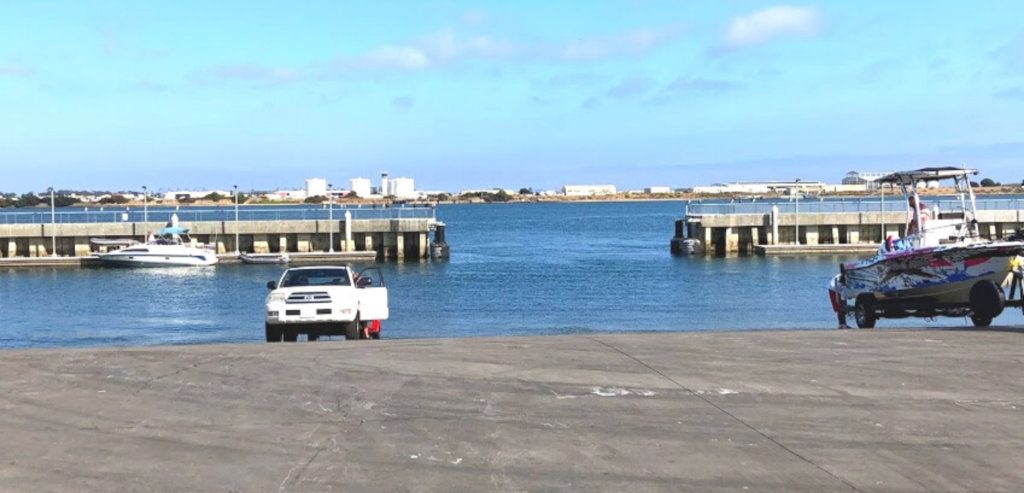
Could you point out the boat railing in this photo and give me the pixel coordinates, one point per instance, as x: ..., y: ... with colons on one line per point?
x: 226, y: 214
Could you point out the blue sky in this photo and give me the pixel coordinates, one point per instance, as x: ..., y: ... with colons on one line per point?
x: 479, y: 94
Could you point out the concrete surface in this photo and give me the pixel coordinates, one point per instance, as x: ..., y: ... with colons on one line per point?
x: 781, y: 411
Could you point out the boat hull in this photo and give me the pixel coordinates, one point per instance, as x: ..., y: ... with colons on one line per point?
x: 165, y: 259
x: 941, y: 274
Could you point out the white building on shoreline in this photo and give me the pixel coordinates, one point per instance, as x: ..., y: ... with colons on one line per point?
x: 316, y: 187
x: 402, y: 188
x: 361, y: 187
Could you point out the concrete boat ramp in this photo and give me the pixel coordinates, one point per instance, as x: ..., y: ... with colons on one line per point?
x: 782, y: 411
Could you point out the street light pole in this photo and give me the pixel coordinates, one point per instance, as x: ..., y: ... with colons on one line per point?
x: 797, y: 218
x: 145, y: 205
x: 330, y: 217
x: 237, y: 249
x: 53, y: 224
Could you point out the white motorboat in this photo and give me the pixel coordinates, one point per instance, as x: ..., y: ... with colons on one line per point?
x: 944, y: 268
x: 168, y: 249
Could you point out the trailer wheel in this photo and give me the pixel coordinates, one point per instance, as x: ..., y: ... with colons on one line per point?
x: 980, y: 321
x: 987, y: 300
x: 864, y: 311
x: 273, y: 335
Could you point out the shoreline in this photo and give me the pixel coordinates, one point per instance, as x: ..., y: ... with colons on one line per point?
x: 618, y: 198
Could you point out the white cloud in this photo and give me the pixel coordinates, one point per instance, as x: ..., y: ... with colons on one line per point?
x: 447, y: 47
x: 772, y: 23
x: 401, y: 57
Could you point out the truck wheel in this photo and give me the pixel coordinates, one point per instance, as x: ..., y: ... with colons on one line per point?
x: 987, y: 299
x: 864, y: 311
x: 353, y: 329
x: 980, y: 321
x: 291, y: 336
x: 273, y: 335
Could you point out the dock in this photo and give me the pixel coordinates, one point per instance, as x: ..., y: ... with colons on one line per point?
x: 826, y: 249
x: 65, y: 239
x: 226, y: 258
x: 776, y: 411
x: 762, y: 228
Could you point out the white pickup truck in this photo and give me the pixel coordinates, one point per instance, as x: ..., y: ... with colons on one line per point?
x: 324, y: 301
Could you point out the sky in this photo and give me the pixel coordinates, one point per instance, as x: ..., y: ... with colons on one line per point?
x: 471, y: 94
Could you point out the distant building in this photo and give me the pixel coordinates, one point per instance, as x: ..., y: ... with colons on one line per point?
x: 867, y: 178
x: 402, y: 188
x: 870, y: 180
x: 588, y: 190
x: 361, y: 187
x: 316, y: 187
x: 384, y: 189
x: 761, y: 187
x: 653, y: 190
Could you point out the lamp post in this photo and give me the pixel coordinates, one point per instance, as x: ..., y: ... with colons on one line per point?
x: 237, y: 249
x: 53, y: 224
x: 797, y: 215
x: 330, y: 217
x: 145, y: 205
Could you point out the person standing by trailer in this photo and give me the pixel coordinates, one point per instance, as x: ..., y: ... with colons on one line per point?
x: 835, y: 295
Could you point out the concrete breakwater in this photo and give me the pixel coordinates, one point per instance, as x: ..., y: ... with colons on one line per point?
x: 727, y: 230
x: 390, y: 238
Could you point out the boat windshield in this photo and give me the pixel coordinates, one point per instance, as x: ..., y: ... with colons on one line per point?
x: 316, y: 277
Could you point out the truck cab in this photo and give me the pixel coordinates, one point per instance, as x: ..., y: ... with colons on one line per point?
x: 324, y: 301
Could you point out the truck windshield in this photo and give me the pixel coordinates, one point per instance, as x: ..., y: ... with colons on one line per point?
x: 316, y: 277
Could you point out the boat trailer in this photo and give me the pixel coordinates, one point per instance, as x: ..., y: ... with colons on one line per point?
x: 987, y: 301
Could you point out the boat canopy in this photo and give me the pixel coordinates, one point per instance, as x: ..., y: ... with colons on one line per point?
x: 173, y: 231
x: 926, y: 174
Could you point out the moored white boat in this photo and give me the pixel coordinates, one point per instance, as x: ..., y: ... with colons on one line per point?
x: 168, y: 250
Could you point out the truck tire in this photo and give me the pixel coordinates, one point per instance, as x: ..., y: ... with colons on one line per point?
x: 273, y: 335
x: 353, y: 329
x: 864, y: 311
x: 980, y: 321
x: 987, y: 299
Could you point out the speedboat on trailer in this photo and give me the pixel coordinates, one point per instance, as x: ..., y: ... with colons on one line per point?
x: 167, y: 250
x: 944, y: 269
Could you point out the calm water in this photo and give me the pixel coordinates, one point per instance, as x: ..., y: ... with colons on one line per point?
x: 516, y: 269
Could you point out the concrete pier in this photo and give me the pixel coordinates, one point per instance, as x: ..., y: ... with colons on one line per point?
x: 731, y: 233
x: 782, y: 411
x: 400, y: 239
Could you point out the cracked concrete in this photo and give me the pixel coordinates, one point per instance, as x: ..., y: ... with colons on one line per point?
x: 870, y: 411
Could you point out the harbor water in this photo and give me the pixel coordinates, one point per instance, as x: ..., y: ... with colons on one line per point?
x: 515, y: 269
